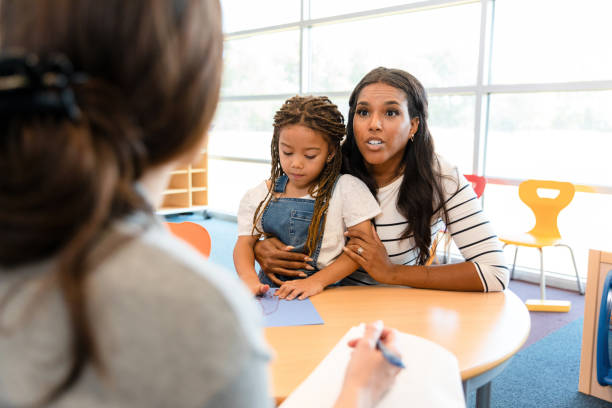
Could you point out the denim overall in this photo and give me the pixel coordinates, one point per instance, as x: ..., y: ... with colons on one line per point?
x: 288, y: 220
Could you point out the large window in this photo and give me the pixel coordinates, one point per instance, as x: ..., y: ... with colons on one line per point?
x: 551, y: 135
x: 263, y: 64
x: 343, y: 52
x: 517, y: 89
x: 240, y: 15
x: 551, y: 41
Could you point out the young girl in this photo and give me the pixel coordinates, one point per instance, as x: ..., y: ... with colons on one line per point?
x: 306, y: 203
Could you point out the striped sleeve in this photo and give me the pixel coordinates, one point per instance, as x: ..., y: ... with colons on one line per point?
x: 473, y: 234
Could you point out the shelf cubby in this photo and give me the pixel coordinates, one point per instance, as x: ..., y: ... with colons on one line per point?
x: 187, y: 188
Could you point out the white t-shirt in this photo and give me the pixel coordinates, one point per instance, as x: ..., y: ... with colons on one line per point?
x: 350, y: 204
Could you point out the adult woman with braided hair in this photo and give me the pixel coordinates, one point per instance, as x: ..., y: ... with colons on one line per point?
x: 305, y: 203
x: 390, y: 148
x: 99, y: 305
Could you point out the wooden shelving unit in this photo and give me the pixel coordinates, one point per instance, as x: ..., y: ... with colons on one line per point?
x: 188, y: 188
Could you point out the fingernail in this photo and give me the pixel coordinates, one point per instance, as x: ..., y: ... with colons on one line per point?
x: 302, y: 275
x: 308, y: 259
x: 310, y: 268
x: 289, y: 247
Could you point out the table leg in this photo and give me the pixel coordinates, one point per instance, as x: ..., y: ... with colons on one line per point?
x: 482, y: 384
x: 483, y: 396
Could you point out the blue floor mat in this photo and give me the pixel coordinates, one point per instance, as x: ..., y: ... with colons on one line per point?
x: 544, y: 374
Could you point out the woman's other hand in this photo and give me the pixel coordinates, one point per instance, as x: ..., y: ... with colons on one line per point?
x: 368, y: 375
x: 366, y: 249
x: 274, y: 257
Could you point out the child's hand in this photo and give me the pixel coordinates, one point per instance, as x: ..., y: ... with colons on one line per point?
x: 299, y: 287
x: 259, y: 289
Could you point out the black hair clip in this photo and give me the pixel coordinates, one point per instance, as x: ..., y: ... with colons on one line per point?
x: 30, y: 84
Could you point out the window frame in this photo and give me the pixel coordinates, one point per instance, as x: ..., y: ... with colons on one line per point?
x: 481, y: 90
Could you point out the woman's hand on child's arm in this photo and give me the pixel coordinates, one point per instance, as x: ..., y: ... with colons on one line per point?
x: 300, y: 288
x: 374, y: 260
x: 368, y: 375
x: 366, y: 249
x: 274, y: 257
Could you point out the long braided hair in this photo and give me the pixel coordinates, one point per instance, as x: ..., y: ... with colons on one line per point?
x: 321, y: 115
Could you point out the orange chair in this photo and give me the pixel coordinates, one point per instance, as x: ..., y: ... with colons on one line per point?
x: 192, y: 233
x: 545, y: 233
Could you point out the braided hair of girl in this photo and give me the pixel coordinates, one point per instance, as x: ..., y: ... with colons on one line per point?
x: 321, y: 115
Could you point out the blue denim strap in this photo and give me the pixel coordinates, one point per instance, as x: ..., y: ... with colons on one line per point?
x: 281, y: 183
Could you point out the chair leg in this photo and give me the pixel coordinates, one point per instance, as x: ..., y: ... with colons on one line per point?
x: 447, y: 257
x: 580, y: 289
x: 514, y: 262
x: 542, y: 276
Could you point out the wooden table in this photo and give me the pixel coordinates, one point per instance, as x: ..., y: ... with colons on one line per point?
x: 483, y: 330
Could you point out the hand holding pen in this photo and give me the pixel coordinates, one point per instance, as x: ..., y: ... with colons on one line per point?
x: 369, y: 370
x: 391, y: 356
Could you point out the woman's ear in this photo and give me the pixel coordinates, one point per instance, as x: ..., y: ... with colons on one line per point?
x: 414, y: 125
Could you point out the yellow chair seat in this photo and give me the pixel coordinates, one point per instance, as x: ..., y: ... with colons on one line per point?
x: 530, y: 240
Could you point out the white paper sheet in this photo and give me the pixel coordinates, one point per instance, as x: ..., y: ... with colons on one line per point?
x: 431, y: 377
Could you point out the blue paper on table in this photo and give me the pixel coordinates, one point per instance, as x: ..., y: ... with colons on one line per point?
x: 280, y: 312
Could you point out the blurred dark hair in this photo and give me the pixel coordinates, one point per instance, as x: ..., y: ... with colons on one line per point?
x: 153, y: 72
x: 420, y: 194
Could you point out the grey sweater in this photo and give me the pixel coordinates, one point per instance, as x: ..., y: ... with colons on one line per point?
x: 173, y: 331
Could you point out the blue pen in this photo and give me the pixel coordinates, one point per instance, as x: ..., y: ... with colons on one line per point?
x: 390, y: 356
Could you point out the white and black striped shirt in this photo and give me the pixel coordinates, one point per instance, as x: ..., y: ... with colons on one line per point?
x: 468, y: 226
